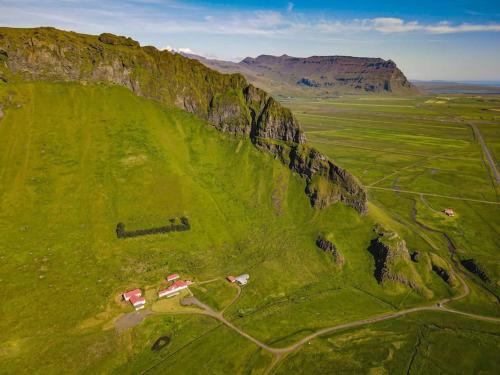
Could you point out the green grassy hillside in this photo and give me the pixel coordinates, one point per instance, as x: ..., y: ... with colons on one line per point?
x: 75, y: 160
x: 226, y: 101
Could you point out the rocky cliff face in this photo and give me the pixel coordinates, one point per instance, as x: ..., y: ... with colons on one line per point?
x: 393, y: 262
x: 228, y: 102
x: 328, y: 246
x: 472, y: 266
x: 334, y: 73
x: 318, y: 75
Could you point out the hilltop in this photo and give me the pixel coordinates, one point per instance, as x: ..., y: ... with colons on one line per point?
x: 319, y: 75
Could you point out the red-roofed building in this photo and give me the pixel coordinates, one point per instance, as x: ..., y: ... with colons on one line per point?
x: 176, y: 287
x: 231, y: 279
x: 137, y: 302
x: 172, y: 277
x: 127, y: 295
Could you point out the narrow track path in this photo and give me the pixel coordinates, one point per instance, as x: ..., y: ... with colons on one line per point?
x: 486, y: 152
x: 433, y: 195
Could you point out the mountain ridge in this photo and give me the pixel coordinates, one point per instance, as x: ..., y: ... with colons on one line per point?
x: 318, y: 75
x: 227, y: 102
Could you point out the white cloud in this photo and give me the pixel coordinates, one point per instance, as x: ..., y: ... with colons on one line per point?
x: 129, y: 17
x: 398, y: 25
x: 186, y: 50
x: 393, y: 25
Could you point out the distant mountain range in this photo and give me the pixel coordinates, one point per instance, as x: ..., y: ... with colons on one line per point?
x: 318, y: 75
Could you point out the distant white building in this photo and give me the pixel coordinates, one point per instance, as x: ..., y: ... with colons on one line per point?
x: 242, y: 279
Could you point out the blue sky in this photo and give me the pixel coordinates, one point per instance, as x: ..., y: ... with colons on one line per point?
x: 449, y: 40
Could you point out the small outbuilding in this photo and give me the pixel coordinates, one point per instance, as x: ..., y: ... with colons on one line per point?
x: 172, y: 277
x: 137, y: 302
x: 449, y: 212
x: 242, y: 279
x: 131, y: 293
x: 231, y: 279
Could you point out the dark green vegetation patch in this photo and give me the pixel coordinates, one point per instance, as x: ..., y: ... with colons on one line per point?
x: 175, y: 225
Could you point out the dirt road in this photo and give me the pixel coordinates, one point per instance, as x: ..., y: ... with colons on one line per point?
x: 439, y: 306
x: 433, y: 195
x: 486, y: 152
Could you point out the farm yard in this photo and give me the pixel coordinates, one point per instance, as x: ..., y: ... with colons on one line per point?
x: 297, y: 298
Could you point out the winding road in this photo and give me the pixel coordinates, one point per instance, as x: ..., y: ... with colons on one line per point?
x: 438, y: 306
x: 280, y: 353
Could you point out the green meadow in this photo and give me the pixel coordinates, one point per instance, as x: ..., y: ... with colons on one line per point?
x: 76, y: 160
x: 417, y: 157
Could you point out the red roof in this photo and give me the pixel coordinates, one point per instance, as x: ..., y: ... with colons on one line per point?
x: 231, y: 279
x: 137, y: 300
x: 178, y: 284
x: 172, y: 276
x: 131, y: 293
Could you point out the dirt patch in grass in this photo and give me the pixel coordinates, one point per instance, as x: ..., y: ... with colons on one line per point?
x: 130, y: 320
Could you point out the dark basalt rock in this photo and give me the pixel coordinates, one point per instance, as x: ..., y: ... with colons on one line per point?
x: 471, y: 266
x: 442, y: 273
x: 329, y: 247
x: 308, y: 82
x: 392, y: 262
x: 326, y: 183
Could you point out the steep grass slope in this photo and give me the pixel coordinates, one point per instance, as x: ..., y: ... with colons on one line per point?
x: 228, y: 102
x: 76, y: 160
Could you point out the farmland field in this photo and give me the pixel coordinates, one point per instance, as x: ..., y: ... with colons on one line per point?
x: 417, y: 157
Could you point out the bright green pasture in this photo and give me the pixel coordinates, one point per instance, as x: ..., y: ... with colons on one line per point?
x: 429, y: 149
x: 421, y: 343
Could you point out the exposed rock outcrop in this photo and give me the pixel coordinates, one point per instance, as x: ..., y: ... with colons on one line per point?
x: 443, y: 270
x: 472, y: 266
x: 442, y: 273
x: 392, y: 262
x: 415, y: 256
x: 228, y: 102
x: 328, y: 246
x: 326, y: 183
